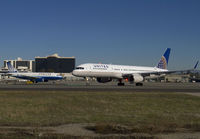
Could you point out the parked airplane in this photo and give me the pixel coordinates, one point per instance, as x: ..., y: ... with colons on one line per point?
x: 134, y: 74
x: 32, y: 76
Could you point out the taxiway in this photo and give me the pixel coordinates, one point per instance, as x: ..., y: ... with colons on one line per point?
x: 82, y: 86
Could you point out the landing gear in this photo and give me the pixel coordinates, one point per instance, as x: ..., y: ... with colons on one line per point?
x: 87, y: 81
x: 120, y: 83
x: 139, y: 84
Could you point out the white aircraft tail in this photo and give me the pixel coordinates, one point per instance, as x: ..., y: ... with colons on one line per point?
x: 11, y: 68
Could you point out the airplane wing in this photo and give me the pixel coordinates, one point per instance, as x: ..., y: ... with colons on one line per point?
x: 32, y: 78
x: 145, y: 73
x: 165, y: 72
x: 172, y: 71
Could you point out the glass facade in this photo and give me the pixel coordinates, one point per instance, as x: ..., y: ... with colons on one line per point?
x: 55, y: 64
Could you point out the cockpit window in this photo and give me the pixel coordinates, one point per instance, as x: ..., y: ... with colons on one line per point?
x: 79, y: 68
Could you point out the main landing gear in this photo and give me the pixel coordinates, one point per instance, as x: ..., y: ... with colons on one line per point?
x: 139, y: 84
x: 120, y: 83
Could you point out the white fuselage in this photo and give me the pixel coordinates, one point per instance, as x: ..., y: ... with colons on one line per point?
x: 37, y: 75
x: 113, y: 71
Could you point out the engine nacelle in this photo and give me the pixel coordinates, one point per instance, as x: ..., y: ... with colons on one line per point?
x: 138, y: 78
x: 135, y: 78
x: 104, y: 79
x: 41, y: 80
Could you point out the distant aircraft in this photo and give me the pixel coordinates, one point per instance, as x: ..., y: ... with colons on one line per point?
x: 134, y: 74
x: 35, y: 77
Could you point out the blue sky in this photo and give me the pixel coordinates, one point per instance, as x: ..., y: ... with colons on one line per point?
x: 133, y: 32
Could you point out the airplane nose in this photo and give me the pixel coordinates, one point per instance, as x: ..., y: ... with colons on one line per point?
x: 74, y: 72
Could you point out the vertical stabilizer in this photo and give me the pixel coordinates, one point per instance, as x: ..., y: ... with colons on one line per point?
x: 10, y: 67
x: 196, y: 65
x: 164, y: 59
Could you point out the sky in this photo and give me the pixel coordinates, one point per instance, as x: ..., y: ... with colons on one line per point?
x: 127, y: 32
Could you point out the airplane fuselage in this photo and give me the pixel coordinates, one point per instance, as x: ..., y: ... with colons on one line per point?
x: 113, y: 71
x: 39, y: 77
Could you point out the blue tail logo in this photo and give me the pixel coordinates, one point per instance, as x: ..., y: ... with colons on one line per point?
x: 10, y: 67
x: 164, y: 59
x: 196, y: 65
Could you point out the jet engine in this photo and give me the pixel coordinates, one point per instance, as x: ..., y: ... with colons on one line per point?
x: 104, y: 79
x: 135, y: 78
x: 138, y: 78
x: 41, y: 80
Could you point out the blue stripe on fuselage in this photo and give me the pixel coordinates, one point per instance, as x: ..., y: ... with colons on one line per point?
x: 40, y: 77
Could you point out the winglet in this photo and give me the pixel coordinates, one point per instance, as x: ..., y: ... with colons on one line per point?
x: 196, y: 65
x: 164, y: 59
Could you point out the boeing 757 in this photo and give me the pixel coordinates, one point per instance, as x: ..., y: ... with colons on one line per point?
x: 134, y: 74
x: 32, y: 76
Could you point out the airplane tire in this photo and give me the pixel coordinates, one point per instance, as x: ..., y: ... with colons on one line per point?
x: 120, y: 84
x: 139, y: 84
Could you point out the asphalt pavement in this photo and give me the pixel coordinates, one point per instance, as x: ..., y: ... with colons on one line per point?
x: 93, y: 86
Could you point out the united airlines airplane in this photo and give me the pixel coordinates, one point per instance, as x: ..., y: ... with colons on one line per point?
x: 35, y: 77
x: 134, y: 74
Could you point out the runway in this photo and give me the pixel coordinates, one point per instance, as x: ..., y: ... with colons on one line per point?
x: 82, y: 86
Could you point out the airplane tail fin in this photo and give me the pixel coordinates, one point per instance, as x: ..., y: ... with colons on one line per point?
x: 10, y: 67
x: 164, y: 59
x: 196, y: 65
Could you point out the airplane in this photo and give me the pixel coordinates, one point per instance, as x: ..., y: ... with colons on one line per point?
x: 34, y: 77
x: 133, y: 74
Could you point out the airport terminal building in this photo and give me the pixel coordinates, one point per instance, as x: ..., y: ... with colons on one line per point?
x: 55, y: 63
x: 52, y: 63
x: 21, y: 65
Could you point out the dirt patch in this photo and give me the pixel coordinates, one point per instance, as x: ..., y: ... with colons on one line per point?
x: 110, y: 129
x: 68, y: 131
x: 87, y: 131
x: 194, y: 94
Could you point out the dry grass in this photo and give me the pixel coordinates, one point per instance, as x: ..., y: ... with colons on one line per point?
x: 141, y: 112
